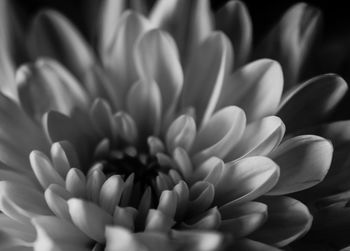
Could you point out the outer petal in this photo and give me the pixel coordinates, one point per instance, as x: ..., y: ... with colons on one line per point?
x: 245, y: 180
x: 21, y: 202
x: 233, y: 19
x: 18, y: 136
x: 312, y: 102
x: 54, y: 36
x: 304, y: 161
x: 156, y: 58
x: 256, y: 88
x: 206, y: 74
x: 189, y: 22
x: 119, y: 59
x: 46, y: 85
x: 54, y: 234
x: 290, y: 41
x: 288, y: 220
x: 260, y: 138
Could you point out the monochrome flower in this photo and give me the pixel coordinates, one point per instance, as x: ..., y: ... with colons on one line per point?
x: 162, y: 138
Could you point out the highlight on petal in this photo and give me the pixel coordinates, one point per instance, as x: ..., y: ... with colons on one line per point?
x: 206, y: 72
x: 89, y: 218
x: 181, y: 133
x: 304, y: 161
x: 260, y: 138
x: 312, y: 102
x: 217, y: 137
x: 288, y: 220
x: 156, y: 58
x: 21, y: 202
x: 290, y: 41
x: 56, y: 234
x: 52, y: 35
x: 47, y: 85
x: 234, y: 19
x: 245, y: 180
x: 255, y: 87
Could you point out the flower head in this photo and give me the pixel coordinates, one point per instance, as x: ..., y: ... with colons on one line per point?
x: 157, y: 141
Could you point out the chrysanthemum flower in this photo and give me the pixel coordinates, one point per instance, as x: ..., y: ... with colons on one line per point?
x: 157, y: 141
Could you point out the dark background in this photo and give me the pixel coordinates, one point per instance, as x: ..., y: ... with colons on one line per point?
x: 264, y: 13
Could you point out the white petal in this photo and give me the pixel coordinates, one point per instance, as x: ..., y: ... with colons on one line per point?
x: 89, y: 218
x: 206, y: 73
x: 157, y: 59
x: 255, y: 87
x: 304, y: 161
x: 260, y: 138
x: 246, y: 179
x: 44, y: 170
x: 217, y: 137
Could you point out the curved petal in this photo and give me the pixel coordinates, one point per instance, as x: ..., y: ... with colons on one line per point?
x: 146, y: 95
x: 52, y: 35
x: 255, y: 87
x: 205, y: 74
x: 242, y: 220
x: 304, y: 161
x: 54, y: 234
x: 260, y: 138
x: 290, y: 41
x: 219, y: 134
x: 181, y: 133
x: 47, y: 85
x: 19, y: 135
x: 245, y: 180
x: 21, y: 202
x: 89, y: 218
x: 156, y: 58
x: 233, y: 19
x: 288, y: 220
x: 119, y: 58
x: 189, y: 22
x: 312, y: 102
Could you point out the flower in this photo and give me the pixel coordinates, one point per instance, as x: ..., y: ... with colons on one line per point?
x: 156, y: 141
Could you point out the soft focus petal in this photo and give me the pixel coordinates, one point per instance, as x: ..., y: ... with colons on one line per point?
x: 255, y: 87
x: 118, y: 59
x: 304, y: 161
x: 145, y: 94
x: 290, y: 41
x: 189, y: 22
x: 288, y: 220
x: 46, y: 85
x: 156, y: 58
x: 233, y: 19
x: 52, y: 35
x: 206, y: 73
x: 250, y: 245
x: 312, y: 102
x: 21, y: 202
x: 54, y: 234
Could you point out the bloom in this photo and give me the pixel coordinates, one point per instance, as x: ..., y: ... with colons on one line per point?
x: 155, y: 142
